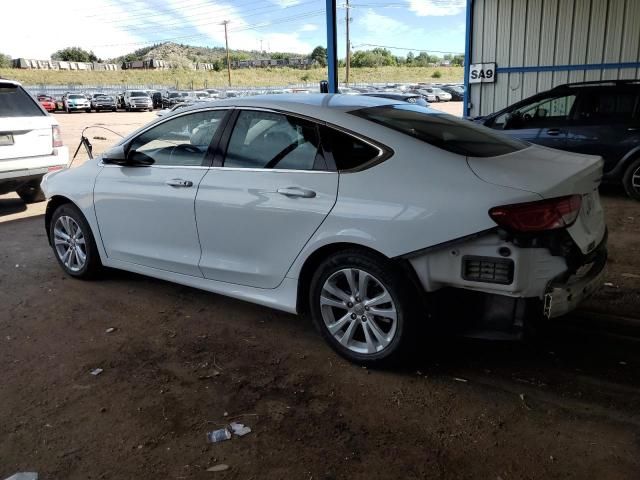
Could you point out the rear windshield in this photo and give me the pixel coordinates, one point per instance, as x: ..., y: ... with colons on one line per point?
x: 16, y: 102
x: 442, y: 130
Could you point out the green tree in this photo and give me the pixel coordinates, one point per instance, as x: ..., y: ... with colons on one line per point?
x: 457, y: 60
x: 319, y: 54
x: 378, y: 57
x: 75, y: 54
x: 410, y: 58
x: 5, y: 61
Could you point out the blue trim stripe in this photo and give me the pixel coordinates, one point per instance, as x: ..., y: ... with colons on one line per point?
x: 467, y: 57
x: 566, y: 68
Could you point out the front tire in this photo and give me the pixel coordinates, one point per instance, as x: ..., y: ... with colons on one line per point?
x: 631, y: 180
x: 31, y: 193
x: 73, y: 244
x: 363, y: 308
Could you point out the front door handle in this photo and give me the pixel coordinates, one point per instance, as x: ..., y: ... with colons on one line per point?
x: 296, y: 192
x: 553, y: 131
x: 178, y: 182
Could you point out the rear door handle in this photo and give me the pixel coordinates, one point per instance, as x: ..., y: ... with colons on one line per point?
x: 553, y: 131
x: 178, y: 182
x: 296, y: 192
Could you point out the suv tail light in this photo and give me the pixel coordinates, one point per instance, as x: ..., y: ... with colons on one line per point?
x: 57, y: 137
x: 549, y: 214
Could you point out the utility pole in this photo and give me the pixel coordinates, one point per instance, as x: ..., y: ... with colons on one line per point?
x: 348, y: 62
x: 226, y: 43
x: 261, y: 46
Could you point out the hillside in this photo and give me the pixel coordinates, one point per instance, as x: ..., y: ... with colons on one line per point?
x: 239, y: 78
x: 179, y: 53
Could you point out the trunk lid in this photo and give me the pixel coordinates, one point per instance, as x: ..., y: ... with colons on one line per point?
x: 22, y: 137
x: 552, y: 173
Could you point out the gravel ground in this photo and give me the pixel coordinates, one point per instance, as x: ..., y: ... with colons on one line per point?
x: 182, y: 362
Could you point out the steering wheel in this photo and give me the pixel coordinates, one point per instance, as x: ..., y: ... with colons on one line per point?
x: 183, y: 147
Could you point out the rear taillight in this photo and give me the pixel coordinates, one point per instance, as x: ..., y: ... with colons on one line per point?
x: 57, y: 137
x: 549, y: 214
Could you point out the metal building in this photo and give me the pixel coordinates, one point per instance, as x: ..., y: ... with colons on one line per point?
x: 516, y: 48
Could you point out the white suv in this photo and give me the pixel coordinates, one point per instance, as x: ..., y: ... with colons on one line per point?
x: 30, y: 143
x: 137, y: 100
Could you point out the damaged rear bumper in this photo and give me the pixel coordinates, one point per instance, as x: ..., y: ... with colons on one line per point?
x: 565, y: 294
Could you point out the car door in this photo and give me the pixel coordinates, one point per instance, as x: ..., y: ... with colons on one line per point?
x: 605, y: 122
x: 542, y: 120
x: 263, y: 200
x: 146, y: 214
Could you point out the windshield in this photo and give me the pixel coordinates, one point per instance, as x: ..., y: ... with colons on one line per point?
x: 138, y: 94
x: 184, y: 94
x: 442, y: 130
x: 77, y: 96
x: 102, y: 97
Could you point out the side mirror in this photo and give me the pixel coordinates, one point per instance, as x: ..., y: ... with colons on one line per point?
x: 118, y: 156
x: 115, y: 156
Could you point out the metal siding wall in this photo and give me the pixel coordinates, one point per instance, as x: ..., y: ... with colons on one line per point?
x: 547, y: 42
x: 489, y: 51
x: 476, y: 51
x: 501, y: 89
x: 550, y: 32
x: 631, y: 39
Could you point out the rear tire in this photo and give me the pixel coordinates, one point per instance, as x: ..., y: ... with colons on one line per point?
x: 73, y: 244
x: 31, y: 193
x: 363, y: 307
x: 631, y: 180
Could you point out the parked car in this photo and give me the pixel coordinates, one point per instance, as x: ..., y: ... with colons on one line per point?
x: 173, y: 98
x: 403, y: 97
x: 457, y: 93
x: 429, y: 207
x: 100, y: 101
x: 47, y: 102
x: 429, y: 97
x: 213, y: 93
x: 440, y: 95
x: 137, y: 100
x: 156, y: 98
x: 595, y: 118
x: 76, y: 101
x: 30, y: 143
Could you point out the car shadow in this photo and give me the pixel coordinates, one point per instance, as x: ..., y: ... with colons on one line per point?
x: 10, y: 206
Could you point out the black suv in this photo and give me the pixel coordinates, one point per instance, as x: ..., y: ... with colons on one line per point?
x: 595, y: 118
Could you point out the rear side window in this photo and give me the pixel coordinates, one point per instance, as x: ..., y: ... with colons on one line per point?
x: 348, y: 152
x: 607, y: 106
x: 443, y: 131
x: 16, y: 102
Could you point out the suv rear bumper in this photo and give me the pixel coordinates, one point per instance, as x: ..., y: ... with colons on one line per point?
x: 35, y: 168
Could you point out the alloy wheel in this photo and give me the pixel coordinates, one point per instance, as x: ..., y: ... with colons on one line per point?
x: 358, y: 311
x: 635, y: 179
x: 69, y: 243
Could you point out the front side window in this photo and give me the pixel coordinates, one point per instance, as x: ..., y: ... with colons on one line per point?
x: 442, y: 130
x: 182, y: 141
x: 273, y: 141
x: 538, y: 114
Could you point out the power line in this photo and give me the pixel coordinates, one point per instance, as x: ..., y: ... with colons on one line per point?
x: 405, y: 48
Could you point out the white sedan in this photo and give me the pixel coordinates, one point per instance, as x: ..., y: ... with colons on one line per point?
x: 375, y: 216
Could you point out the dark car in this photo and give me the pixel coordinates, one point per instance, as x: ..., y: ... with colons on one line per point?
x: 416, y: 99
x: 156, y: 98
x: 172, y: 98
x: 595, y: 118
x: 457, y: 93
x: 100, y: 101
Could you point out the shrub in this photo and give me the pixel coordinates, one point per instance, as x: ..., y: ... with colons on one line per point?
x: 436, y: 74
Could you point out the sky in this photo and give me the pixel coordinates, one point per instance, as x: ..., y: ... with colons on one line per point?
x: 115, y: 27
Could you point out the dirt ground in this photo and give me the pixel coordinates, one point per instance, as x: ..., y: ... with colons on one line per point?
x: 182, y: 362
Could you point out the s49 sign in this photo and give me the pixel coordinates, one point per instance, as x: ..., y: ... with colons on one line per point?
x: 482, y: 72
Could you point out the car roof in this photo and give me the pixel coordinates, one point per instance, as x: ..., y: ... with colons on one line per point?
x: 12, y: 82
x: 310, y: 104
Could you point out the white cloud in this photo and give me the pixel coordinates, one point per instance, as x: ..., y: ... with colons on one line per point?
x: 436, y: 8
x: 309, y: 27
x: 286, y: 3
x: 373, y: 22
x: 31, y: 35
